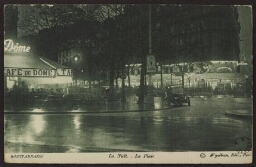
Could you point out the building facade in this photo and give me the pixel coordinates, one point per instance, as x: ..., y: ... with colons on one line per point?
x: 198, y: 33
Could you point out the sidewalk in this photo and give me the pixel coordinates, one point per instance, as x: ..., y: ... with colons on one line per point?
x: 106, y: 107
x: 241, y: 113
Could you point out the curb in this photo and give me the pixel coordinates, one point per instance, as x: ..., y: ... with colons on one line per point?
x: 238, y: 115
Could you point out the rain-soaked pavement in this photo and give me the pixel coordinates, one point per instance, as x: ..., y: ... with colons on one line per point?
x: 203, y: 126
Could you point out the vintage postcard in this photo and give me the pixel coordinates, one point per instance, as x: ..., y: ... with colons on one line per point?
x: 128, y: 84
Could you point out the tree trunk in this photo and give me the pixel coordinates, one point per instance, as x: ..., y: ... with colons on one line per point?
x: 123, y: 84
x: 89, y: 78
x: 89, y: 65
x: 116, y: 80
x: 128, y: 76
x: 111, y: 80
x: 142, y: 84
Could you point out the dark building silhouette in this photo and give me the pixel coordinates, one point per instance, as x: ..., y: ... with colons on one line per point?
x: 10, y: 21
x: 198, y: 33
x: 246, y: 35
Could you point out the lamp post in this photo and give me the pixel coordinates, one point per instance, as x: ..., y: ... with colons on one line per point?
x: 188, y: 79
x: 150, y: 64
x: 76, y: 59
x: 161, y: 74
x: 149, y: 40
x: 171, y: 78
x: 161, y: 68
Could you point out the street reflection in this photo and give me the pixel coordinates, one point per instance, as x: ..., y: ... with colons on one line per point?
x: 196, y: 128
x: 28, y: 138
x: 37, y: 123
x: 76, y: 121
x: 73, y: 150
x: 38, y: 110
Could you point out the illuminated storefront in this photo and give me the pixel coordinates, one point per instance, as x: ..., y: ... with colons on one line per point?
x: 21, y: 65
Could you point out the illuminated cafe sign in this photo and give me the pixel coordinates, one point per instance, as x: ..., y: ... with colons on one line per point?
x: 64, y: 72
x: 242, y: 63
x: 10, y: 46
x: 28, y: 72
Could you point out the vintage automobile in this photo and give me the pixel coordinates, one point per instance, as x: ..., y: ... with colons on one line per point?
x: 175, y: 95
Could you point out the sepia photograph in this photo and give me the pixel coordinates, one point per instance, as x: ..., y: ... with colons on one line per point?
x: 128, y: 83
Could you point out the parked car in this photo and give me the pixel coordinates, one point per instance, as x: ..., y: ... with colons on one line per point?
x: 176, y: 95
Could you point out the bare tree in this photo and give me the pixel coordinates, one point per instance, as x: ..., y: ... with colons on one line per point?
x: 34, y: 18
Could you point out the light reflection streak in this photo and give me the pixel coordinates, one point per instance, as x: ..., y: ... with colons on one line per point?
x: 76, y: 121
x: 157, y: 117
x: 38, y: 123
x: 73, y: 149
x: 28, y: 138
x: 157, y: 105
x: 77, y: 110
x: 37, y: 110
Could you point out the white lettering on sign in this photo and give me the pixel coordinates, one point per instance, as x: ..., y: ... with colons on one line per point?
x: 11, y: 47
x: 242, y: 63
x: 64, y: 72
x: 26, y: 72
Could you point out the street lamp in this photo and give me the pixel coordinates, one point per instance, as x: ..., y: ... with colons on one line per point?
x: 76, y: 58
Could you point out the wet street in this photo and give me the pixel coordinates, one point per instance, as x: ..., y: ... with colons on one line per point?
x: 203, y: 126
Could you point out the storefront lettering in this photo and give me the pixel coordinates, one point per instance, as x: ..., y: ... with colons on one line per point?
x: 42, y: 72
x: 64, y: 72
x: 242, y: 63
x: 29, y: 72
x: 10, y: 46
x: 19, y: 71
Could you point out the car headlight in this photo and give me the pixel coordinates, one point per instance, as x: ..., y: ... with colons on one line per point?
x: 175, y: 97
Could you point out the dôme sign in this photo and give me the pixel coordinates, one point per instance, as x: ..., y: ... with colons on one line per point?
x: 10, y: 46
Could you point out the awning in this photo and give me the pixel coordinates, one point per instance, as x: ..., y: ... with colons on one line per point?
x: 24, y: 60
x: 35, y: 70
x: 31, y: 65
x: 26, y: 65
x: 61, y: 70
